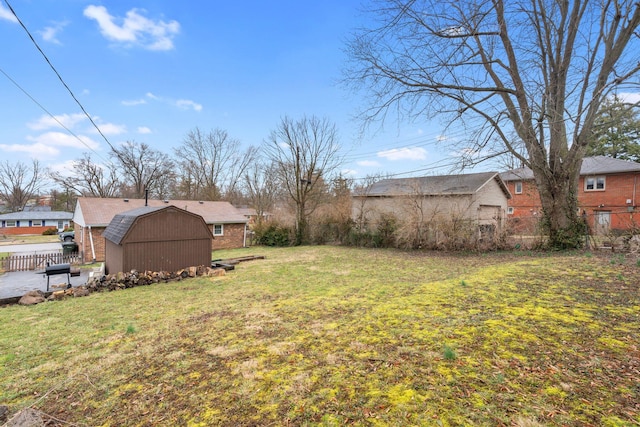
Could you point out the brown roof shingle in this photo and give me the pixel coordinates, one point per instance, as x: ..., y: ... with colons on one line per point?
x: 98, y: 212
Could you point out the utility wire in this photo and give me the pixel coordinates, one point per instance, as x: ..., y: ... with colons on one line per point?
x: 59, y: 76
x: 50, y: 114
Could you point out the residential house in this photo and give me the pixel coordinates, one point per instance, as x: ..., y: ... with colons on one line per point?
x: 606, y: 195
x: 34, y: 221
x: 480, y: 198
x: 93, y: 214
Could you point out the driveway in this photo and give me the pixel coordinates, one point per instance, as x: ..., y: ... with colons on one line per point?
x: 32, y: 248
x: 18, y: 283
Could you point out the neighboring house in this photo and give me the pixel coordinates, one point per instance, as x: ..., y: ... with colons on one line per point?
x: 251, y: 214
x: 34, y: 222
x: 157, y: 239
x: 607, y: 195
x: 480, y: 198
x: 93, y: 214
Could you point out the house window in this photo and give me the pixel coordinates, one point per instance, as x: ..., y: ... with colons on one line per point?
x: 594, y: 183
x: 36, y: 223
x: 510, y: 210
x: 10, y: 223
x: 518, y: 187
x: 218, y: 230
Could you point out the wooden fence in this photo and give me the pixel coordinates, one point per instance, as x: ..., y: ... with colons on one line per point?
x: 37, y: 261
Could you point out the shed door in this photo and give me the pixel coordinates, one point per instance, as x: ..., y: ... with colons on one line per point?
x: 603, y: 221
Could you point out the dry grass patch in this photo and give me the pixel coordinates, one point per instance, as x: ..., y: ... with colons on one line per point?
x: 402, y: 339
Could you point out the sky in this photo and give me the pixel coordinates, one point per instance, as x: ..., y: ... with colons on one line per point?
x: 150, y: 71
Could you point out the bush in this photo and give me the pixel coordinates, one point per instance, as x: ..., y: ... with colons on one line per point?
x: 273, y: 234
x: 50, y: 232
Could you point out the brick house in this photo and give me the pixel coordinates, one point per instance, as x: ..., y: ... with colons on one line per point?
x: 607, y: 196
x: 33, y: 221
x: 93, y: 214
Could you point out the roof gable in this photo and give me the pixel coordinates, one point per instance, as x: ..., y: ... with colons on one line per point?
x: 596, y: 165
x: 98, y: 212
x: 442, y: 185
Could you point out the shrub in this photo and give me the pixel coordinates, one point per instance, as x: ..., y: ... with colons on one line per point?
x: 273, y: 234
x: 50, y: 232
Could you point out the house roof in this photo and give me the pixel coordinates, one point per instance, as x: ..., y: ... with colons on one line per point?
x: 435, y: 185
x: 98, y: 212
x: 596, y: 165
x: 41, y: 215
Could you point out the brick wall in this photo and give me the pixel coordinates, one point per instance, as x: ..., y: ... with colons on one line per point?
x: 233, y: 237
x: 12, y: 231
x: 611, y: 201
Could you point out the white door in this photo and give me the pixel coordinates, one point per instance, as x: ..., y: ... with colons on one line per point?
x: 603, y: 221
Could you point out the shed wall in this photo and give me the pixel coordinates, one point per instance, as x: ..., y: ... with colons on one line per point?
x: 166, y: 256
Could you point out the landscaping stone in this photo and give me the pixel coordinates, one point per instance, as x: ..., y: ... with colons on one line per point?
x: 32, y: 297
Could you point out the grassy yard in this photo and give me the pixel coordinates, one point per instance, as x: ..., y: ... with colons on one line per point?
x: 334, y: 336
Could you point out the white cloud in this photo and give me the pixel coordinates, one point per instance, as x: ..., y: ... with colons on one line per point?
x: 349, y: 172
x: 415, y: 153
x: 152, y: 96
x: 110, y: 129
x: 60, y: 139
x: 135, y: 29
x: 50, y: 34
x: 49, y: 122
x: 6, y: 14
x: 631, y: 97
x: 36, y: 151
x: 134, y: 102
x: 186, y: 104
x: 368, y: 163
x: 144, y: 130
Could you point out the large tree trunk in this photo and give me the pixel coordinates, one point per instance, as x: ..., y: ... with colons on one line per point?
x: 558, y: 195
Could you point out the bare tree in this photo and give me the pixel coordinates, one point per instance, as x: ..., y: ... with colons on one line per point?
x: 261, y: 187
x: 19, y: 182
x: 536, y: 70
x: 305, y: 155
x: 212, y: 164
x: 89, y: 179
x: 143, y: 168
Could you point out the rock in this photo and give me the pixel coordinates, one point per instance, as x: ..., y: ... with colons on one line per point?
x: 216, y: 272
x: 80, y: 292
x: 58, y: 295
x: 4, y: 413
x: 26, y: 418
x: 193, y: 271
x: 32, y: 297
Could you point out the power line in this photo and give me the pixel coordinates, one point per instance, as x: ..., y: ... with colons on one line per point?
x: 50, y: 114
x: 59, y: 76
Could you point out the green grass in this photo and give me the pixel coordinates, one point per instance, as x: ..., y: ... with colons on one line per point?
x: 334, y: 336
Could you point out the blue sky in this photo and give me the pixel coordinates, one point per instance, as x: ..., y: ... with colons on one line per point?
x: 152, y: 70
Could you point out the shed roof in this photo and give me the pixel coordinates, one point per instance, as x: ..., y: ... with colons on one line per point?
x: 596, y: 165
x: 442, y: 185
x: 98, y: 212
x: 121, y: 223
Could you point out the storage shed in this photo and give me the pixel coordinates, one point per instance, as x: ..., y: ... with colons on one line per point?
x: 156, y: 239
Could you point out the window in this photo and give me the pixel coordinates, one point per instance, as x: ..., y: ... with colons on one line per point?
x: 218, y: 230
x: 594, y: 183
x: 36, y: 223
x: 11, y: 223
x: 518, y: 187
x: 510, y: 210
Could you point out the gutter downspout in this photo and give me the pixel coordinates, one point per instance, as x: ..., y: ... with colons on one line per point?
x: 93, y: 249
x: 244, y: 237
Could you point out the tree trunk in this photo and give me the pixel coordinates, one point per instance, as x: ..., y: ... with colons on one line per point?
x: 558, y: 195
